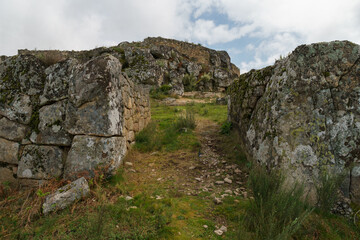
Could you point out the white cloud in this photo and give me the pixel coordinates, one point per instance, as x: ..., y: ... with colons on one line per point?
x: 278, y: 25
x: 207, y: 31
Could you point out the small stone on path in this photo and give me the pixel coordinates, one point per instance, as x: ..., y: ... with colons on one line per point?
x: 218, y: 232
x: 228, y: 180
x: 223, y: 228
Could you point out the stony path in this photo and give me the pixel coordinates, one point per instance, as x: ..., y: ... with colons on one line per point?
x: 190, y: 173
x: 218, y: 176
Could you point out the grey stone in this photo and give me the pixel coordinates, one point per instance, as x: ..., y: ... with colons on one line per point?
x: 95, y: 106
x: 57, y: 81
x: 51, y: 126
x: 9, y: 151
x: 66, y: 195
x: 19, y: 109
x: 303, y: 113
x: 12, y: 130
x: 89, y: 153
x: 41, y: 162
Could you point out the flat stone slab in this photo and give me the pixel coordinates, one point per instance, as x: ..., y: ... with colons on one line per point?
x: 66, y: 195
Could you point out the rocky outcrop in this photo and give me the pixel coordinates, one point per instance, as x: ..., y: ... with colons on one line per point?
x: 153, y: 62
x: 303, y: 113
x: 67, y: 118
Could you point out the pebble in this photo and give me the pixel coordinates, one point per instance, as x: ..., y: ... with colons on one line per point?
x: 223, y: 228
x: 217, y: 200
x: 228, y: 180
x: 205, y: 226
x: 128, y: 164
x: 224, y: 195
x: 219, y: 182
x: 218, y: 232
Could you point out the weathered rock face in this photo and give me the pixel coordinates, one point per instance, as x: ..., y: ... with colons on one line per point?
x: 303, y: 113
x: 51, y: 114
x: 153, y: 62
x: 88, y: 153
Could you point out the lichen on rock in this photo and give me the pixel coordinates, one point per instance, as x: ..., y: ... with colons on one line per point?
x: 302, y: 114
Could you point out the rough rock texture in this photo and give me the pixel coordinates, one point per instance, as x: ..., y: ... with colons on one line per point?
x: 152, y: 62
x: 9, y: 151
x: 53, y: 104
x: 41, y: 162
x: 66, y: 195
x: 89, y: 153
x: 303, y: 113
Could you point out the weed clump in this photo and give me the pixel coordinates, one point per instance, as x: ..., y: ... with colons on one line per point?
x: 187, y: 122
x: 275, y: 212
x: 189, y: 81
x: 326, y: 190
x: 226, y: 128
x: 161, y: 92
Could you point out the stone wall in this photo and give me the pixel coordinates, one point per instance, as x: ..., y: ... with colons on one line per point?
x: 159, y: 61
x: 68, y: 119
x: 303, y: 114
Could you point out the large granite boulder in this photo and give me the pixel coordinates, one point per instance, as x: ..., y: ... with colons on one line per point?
x: 303, y: 113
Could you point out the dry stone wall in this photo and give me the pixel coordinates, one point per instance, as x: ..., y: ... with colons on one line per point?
x: 303, y: 114
x: 68, y: 119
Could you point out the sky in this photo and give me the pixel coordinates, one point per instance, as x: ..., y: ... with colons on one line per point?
x: 254, y: 32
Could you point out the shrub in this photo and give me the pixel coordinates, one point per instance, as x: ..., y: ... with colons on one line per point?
x: 51, y: 57
x: 189, y: 81
x: 161, y: 92
x: 275, y: 212
x: 206, y: 77
x: 326, y: 190
x: 226, y: 128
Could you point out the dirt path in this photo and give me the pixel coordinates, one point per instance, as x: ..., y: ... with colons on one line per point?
x: 187, y: 172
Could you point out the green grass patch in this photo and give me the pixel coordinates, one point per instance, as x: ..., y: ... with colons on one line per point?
x: 276, y: 212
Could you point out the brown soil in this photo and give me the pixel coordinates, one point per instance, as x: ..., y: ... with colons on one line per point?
x: 185, y: 171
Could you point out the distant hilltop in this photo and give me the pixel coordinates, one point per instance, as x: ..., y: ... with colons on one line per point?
x: 159, y: 61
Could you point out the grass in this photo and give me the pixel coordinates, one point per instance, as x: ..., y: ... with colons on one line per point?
x: 275, y: 212
x: 163, y: 148
x: 326, y: 190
